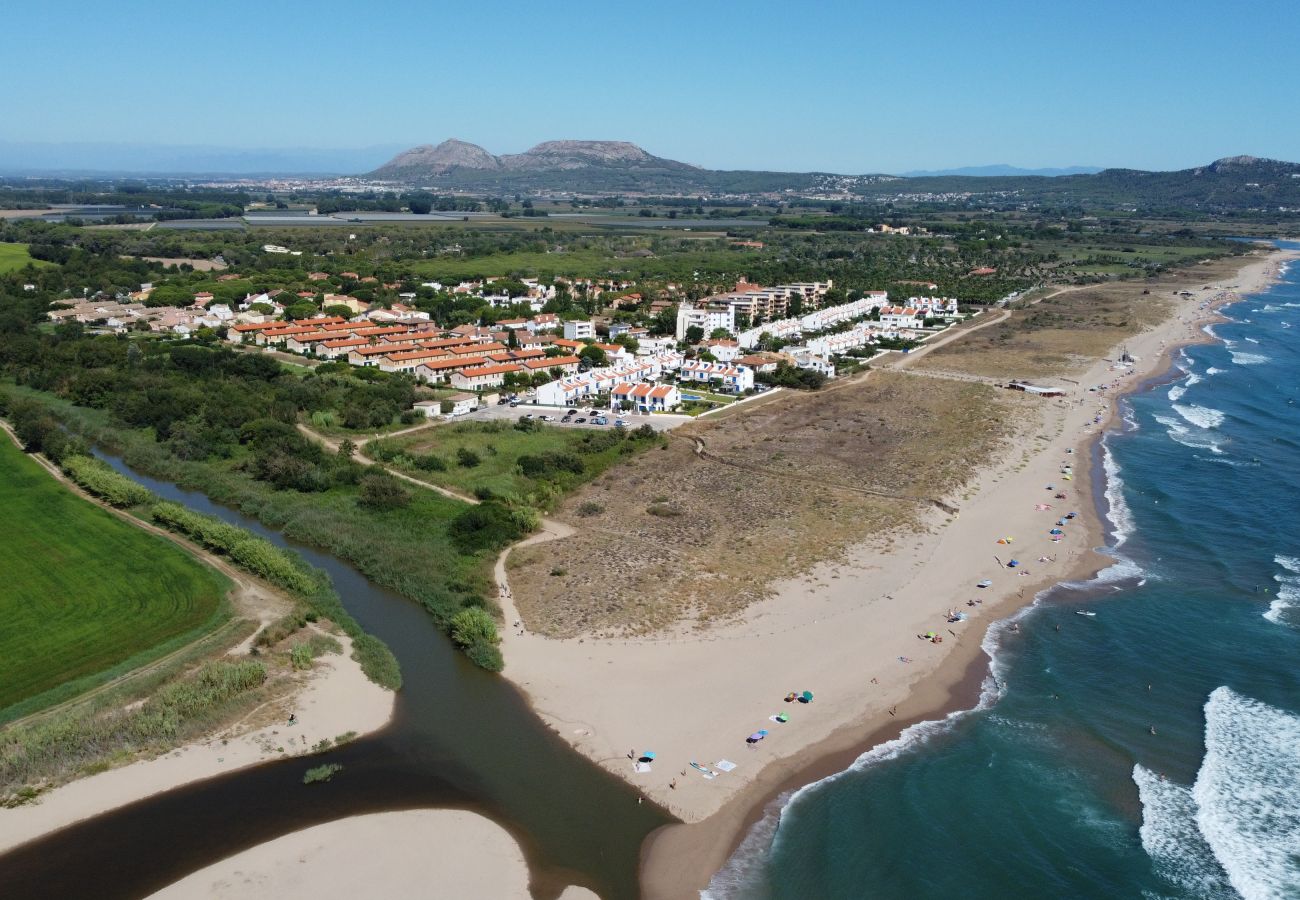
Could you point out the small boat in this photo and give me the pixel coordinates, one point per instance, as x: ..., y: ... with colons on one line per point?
x: 1085, y: 612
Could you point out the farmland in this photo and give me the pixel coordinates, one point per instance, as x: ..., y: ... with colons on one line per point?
x: 85, y: 595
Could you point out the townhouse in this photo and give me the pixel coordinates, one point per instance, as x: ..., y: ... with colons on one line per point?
x: 722, y: 377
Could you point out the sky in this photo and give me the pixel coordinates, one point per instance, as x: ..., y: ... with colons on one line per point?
x: 852, y: 87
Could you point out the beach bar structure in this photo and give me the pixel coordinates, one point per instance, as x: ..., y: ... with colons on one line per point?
x: 1040, y: 391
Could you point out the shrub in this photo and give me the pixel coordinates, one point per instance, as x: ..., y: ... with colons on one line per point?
x: 487, y: 526
x: 468, y: 458
x: 382, y: 492
x: 300, y: 656
x: 321, y: 773
x: 590, y: 508
x: 99, y: 479
x: 431, y: 463
x: 473, y: 625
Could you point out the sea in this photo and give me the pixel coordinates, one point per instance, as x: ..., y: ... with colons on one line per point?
x: 1151, y: 750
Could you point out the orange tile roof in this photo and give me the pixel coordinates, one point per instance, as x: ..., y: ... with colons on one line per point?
x: 490, y: 370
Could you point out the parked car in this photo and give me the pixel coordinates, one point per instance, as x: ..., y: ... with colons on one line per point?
x: 620, y: 422
x: 573, y: 410
x: 580, y: 419
x: 600, y: 420
x: 502, y: 401
x: 546, y: 418
x: 514, y: 403
x: 528, y: 415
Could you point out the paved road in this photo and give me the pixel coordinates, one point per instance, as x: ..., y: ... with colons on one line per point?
x: 657, y: 422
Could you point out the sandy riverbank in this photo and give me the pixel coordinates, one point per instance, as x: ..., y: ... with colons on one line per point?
x: 414, y: 853
x: 337, y: 698
x: 846, y: 631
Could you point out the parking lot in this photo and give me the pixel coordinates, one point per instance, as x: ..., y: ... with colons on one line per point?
x: 659, y: 422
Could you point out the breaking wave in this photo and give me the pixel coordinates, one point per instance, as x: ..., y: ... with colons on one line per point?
x: 1121, y: 517
x: 1247, y: 794
x: 1248, y: 359
x: 1181, y: 434
x: 1200, y: 416
x: 1288, y: 591
x: 1178, y: 851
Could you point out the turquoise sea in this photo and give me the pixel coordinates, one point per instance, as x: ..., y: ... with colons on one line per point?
x: 1150, y: 751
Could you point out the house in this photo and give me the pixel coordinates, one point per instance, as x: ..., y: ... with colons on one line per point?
x: 436, y: 371
x: 720, y: 376
x: 579, y: 331
x: 900, y: 317
x: 758, y: 363
x: 816, y: 364
x: 722, y: 350
x: 616, y: 354
x: 483, y: 376
x: 568, y: 365
x: 617, y: 328
x: 352, y: 303
x: 544, y: 321
x: 647, y: 398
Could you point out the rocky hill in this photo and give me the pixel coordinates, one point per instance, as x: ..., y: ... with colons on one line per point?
x: 590, y: 167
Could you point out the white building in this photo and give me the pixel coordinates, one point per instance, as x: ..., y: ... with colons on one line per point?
x: 708, y: 320
x: 579, y: 331
x: 720, y: 376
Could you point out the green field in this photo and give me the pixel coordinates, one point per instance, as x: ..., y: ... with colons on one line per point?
x: 15, y: 256
x: 85, y: 595
x: 498, y: 446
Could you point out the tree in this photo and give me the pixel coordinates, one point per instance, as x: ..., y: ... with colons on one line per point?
x: 694, y: 334
x: 467, y: 458
x: 347, y: 449
x: 719, y: 334
x: 338, y: 309
x: 594, y: 356
x: 419, y: 205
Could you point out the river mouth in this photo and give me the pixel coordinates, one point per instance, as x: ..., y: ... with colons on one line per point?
x: 460, y: 738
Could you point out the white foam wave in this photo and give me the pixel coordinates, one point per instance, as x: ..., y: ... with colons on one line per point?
x: 1200, y: 416
x: 1170, y: 837
x: 1288, y: 591
x: 1247, y: 794
x: 1121, y: 517
x: 1252, y: 340
x: 1181, y: 434
x: 1176, y: 392
x: 1248, y: 359
x: 742, y: 875
x: 1213, y: 371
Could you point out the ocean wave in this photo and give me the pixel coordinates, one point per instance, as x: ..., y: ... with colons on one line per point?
x: 1178, y: 851
x: 742, y: 876
x: 1247, y: 794
x: 1248, y: 359
x: 1251, y: 340
x: 1288, y: 592
x: 1121, y: 517
x: 1213, y: 371
x: 1181, y: 434
x: 1200, y: 416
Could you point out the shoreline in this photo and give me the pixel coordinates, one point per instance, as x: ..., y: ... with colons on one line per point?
x: 673, y: 862
x: 391, y: 854
x: 334, y: 699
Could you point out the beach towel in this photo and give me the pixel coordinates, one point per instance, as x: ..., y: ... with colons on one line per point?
x: 724, y: 765
x: 642, y: 767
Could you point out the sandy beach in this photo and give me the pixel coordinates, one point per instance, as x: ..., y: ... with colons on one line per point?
x: 413, y: 853
x: 337, y: 698
x: 847, y: 631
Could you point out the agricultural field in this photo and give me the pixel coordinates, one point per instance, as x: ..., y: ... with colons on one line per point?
x: 14, y: 257
x: 85, y: 595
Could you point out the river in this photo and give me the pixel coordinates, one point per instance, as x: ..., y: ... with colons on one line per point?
x: 460, y: 738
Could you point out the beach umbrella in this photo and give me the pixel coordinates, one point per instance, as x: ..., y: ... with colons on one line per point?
x: 782, y: 717
x: 756, y: 737
x: 1056, y: 531
x: 806, y: 697
x: 1002, y: 540
x: 1013, y: 564
x: 648, y: 756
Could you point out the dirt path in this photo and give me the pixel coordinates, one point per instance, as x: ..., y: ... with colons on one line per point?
x: 252, y: 599
x: 361, y: 457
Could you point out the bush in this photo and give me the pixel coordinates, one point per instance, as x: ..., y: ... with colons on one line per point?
x: 321, y: 773
x: 99, y: 479
x: 473, y: 625
x: 590, y: 508
x: 382, y: 492
x: 300, y: 656
x: 487, y: 526
x: 468, y: 458
x: 430, y: 463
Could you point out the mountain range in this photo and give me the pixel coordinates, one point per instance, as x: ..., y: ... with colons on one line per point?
x: 1231, y: 184
x: 1002, y: 169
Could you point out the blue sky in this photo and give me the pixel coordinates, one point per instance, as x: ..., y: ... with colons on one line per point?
x: 839, y: 86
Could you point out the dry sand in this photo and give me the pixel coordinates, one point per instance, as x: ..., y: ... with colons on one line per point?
x: 847, y: 632
x: 338, y: 698
x: 415, y: 853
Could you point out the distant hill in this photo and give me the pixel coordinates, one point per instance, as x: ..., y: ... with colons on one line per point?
x: 1001, y: 170
x: 1236, y: 183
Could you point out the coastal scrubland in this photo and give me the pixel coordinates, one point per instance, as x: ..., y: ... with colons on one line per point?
x: 698, y: 530
x: 1068, y: 329
x: 86, y: 596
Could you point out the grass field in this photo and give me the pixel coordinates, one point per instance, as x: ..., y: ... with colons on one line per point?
x: 84, y: 594
x: 498, y: 447
x: 15, y: 256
